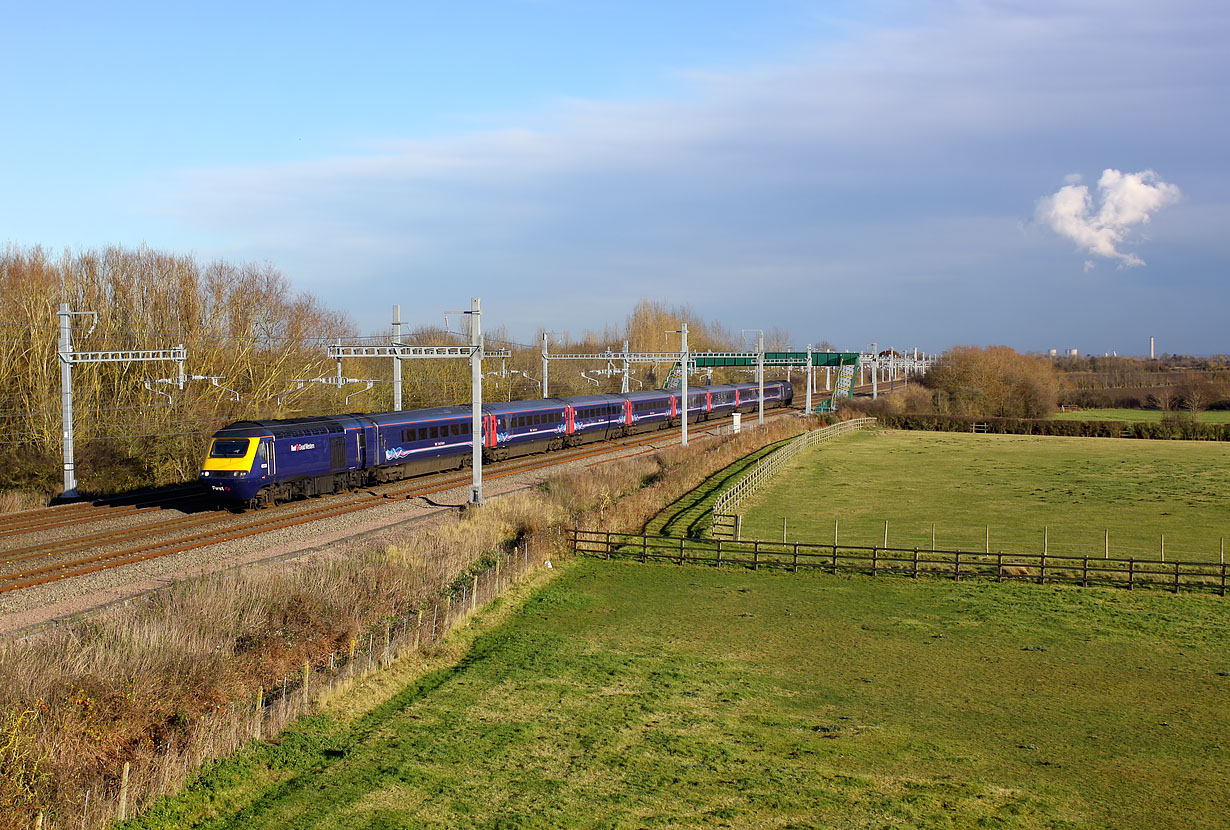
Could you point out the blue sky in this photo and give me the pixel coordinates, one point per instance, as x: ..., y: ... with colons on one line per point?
x: 849, y: 171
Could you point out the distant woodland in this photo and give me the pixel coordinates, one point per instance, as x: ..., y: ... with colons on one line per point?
x: 997, y: 381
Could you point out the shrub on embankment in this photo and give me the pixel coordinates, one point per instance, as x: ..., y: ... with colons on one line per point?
x: 144, y: 684
x: 1173, y: 427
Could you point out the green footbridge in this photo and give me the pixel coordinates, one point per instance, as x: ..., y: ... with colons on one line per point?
x: 846, y: 364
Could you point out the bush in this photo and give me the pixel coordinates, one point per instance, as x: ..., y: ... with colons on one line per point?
x: 995, y: 382
x: 1174, y: 427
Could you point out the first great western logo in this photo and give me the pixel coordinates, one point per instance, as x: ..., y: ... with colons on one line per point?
x: 297, y: 447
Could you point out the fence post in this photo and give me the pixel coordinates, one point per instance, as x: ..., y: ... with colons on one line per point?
x: 834, y: 558
x: 875, y: 559
x: 1085, y: 573
x: 915, y: 574
x: 738, y: 526
x: 756, y: 555
x: 795, y: 569
x: 1176, y: 577
x: 719, y: 553
x: 956, y: 574
x: 260, y: 710
x: 999, y: 566
x: 1223, y: 578
x: 1131, y: 572
x: 680, y: 550
x: 1042, y: 570
x: 644, y: 548
x: 124, y: 791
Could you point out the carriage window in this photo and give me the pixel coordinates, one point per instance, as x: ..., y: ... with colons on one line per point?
x: 422, y: 433
x: 465, y: 429
x: 537, y: 419
x: 434, y: 433
x: 455, y: 429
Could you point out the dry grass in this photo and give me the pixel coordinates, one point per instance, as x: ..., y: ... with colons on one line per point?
x: 156, y: 684
x: 13, y: 501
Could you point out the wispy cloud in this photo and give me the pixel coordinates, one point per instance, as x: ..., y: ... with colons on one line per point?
x: 1100, y: 227
x: 903, y: 156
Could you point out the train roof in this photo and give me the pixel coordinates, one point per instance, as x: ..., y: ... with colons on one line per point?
x: 587, y: 400
x: 533, y: 405
x: 289, y: 427
x: 408, y: 416
x: 647, y: 394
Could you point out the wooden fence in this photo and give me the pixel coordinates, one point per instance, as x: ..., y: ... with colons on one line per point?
x: 135, y: 786
x: 768, y: 466
x: 913, y: 562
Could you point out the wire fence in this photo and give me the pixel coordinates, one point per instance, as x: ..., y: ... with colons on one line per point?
x: 137, y: 784
x: 768, y: 466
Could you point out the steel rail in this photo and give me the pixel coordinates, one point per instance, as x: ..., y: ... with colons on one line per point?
x: 84, y: 566
x: 50, y: 518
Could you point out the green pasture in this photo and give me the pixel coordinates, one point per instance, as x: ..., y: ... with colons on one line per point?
x: 1031, y: 491
x: 624, y: 695
x: 1137, y: 416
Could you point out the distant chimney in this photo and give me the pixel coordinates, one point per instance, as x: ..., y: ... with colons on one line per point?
x: 1151, y: 355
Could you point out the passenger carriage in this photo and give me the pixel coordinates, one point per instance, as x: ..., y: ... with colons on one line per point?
x: 595, y: 418
x: 260, y: 462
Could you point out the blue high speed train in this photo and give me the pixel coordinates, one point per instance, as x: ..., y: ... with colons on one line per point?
x: 256, y: 463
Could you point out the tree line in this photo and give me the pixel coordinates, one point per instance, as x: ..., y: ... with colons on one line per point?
x: 246, y: 325
x: 999, y: 382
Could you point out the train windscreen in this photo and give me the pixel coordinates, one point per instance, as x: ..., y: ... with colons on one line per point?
x: 230, y: 448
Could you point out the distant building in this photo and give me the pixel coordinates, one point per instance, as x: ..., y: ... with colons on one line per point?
x: 1074, y: 352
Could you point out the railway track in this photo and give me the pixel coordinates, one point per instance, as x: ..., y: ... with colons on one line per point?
x: 51, y: 518
x: 34, y: 565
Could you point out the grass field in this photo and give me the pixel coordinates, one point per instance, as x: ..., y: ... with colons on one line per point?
x: 1137, y: 416
x: 1070, y: 490
x: 626, y: 695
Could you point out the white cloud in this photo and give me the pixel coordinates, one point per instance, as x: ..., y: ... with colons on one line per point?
x: 1126, y: 200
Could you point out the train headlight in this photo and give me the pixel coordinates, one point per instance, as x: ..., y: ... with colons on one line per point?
x: 204, y: 473
x: 239, y: 474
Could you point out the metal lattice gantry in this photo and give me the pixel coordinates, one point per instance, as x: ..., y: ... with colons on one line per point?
x: 69, y: 358
x: 805, y: 360
x: 475, y: 352
x: 889, y: 365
